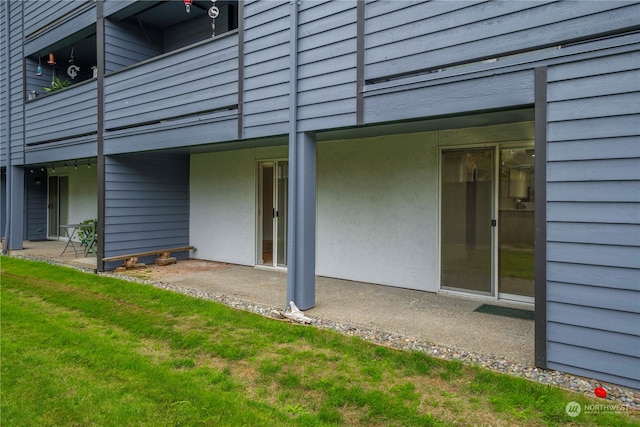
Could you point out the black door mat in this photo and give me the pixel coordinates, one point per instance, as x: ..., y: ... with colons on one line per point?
x: 515, y: 313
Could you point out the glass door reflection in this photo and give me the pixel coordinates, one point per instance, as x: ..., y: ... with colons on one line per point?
x: 467, y: 213
x: 282, y: 194
x: 516, y: 222
x: 273, y: 187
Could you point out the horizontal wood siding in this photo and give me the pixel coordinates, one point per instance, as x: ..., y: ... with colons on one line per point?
x: 76, y: 26
x: 36, y: 206
x: 188, y: 82
x: 127, y: 45
x: 266, y: 68
x: 197, y: 130
x: 16, y: 55
x: 64, y: 150
x: 327, y: 65
x: 424, y: 35
x: 147, y: 203
x: 39, y: 14
x: 123, y: 7
x: 593, y: 218
x: 4, y: 75
x: 187, y: 33
x: 441, y: 97
x: 75, y: 114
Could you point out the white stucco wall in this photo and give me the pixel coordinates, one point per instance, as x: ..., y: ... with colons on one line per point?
x: 377, y: 204
x: 83, y: 192
x: 223, y: 203
x: 377, y: 210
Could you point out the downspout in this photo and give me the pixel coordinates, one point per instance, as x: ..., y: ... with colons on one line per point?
x: 9, y: 191
x: 293, y: 131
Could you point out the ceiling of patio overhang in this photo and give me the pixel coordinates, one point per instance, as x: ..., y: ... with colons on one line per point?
x: 475, y: 119
x: 86, y: 162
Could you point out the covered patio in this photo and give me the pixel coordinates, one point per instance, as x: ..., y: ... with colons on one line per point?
x: 445, y: 325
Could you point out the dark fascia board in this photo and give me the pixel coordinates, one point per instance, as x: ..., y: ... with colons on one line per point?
x: 481, y: 118
x: 278, y: 140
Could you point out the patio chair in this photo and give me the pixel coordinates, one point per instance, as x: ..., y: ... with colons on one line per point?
x: 88, y: 239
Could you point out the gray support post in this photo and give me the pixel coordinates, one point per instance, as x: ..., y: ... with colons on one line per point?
x: 240, y: 70
x: 301, y: 262
x: 6, y: 78
x: 16, y: 200
x: 101, y: 227
x: 301, y: 241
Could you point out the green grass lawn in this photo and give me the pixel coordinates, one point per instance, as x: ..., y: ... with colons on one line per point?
x: 81, y: 349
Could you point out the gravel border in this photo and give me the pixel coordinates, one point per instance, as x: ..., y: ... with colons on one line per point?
x: 617, y: 394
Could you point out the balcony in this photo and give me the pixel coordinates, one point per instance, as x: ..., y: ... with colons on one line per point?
x: 163, y: 68
x: 196, y: 86
x: 188, y: 82
x: 66, y: 114
x: 149, y: 105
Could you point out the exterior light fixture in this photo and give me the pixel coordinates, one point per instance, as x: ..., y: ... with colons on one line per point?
x: 39, y: 69
x: 187, y: 5
x: 52, y: 60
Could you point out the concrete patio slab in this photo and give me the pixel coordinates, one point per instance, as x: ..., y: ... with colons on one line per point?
x: 437, y: 318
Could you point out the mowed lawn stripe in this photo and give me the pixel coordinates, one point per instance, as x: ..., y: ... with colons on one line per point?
x: 83, y: 349
x: 77, y: 369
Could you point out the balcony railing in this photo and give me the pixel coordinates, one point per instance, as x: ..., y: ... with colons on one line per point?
x: 187, y: 82
x: 65, y: 114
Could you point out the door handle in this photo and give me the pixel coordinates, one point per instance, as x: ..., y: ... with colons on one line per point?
x: 494, y: 222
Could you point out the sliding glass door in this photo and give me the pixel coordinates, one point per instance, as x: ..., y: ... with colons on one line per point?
x: 57, y: 204
x: 466, y: 225
x: 273, y: 187
x: 487, y: 227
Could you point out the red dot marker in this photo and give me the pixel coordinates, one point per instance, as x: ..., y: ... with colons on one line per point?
x: 600, y: 392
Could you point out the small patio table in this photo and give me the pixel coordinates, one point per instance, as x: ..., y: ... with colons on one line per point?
x: 71, y: 230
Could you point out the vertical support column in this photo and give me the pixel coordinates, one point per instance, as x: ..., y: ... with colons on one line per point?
x: 5, y: 74
x: 240, y: 70
x: 16, y: 201
x: 301, y: 263
x: 301, y: 243
x: 540, y: 309
x: 100, y: 64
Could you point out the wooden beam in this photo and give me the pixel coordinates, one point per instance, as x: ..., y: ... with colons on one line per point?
x: 148, y: 253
